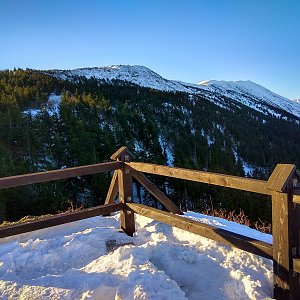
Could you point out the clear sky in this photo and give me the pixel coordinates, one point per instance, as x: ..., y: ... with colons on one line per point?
x: 185, y: 40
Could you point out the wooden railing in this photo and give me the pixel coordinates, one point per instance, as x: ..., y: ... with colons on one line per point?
x: 283, y: 187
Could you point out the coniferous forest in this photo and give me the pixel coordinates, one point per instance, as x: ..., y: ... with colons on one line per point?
x: 94, y: 118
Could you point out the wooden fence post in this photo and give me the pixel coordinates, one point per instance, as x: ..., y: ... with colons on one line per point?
x: 125, y: 190
x: 285, y: 230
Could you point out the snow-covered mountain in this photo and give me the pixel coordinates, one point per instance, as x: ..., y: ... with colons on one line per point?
x: 219, y: 92
x: 253, y: 95
x: 139, y: 75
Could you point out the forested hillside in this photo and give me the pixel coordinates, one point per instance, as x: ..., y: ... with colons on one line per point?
x: 49, y: 123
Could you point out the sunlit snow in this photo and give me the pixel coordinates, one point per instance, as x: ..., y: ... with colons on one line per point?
x: 91, y: 259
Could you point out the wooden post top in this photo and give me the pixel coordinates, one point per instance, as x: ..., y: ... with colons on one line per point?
x: 123, y: 154
x: 282, y: 175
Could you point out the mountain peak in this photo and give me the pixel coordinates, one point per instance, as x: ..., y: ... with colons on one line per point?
x: 252, y: 94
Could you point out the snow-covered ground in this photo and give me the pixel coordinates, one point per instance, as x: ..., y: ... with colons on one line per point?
x: 91, y: 259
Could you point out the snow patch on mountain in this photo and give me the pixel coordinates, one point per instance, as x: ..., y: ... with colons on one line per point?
x: 52, y: 107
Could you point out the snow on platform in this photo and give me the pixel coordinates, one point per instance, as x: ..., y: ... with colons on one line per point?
x: 91, y: 259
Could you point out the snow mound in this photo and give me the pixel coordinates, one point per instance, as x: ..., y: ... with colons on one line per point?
x: 90, y: 259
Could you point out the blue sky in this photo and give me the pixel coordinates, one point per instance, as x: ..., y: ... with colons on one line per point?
x: 190, y: 41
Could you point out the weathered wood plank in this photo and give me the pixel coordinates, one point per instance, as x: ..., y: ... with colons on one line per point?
x: 234, y: 182
x: 280, y: 210
x: 280, y: 177
x: 125, y: 196
x: 58, y: 219
x: 123, y: 154
x: 156, y: 192
x: 113, y: 189
x: 228, y: 238
x: 20, y: 180
x: 285, y: 246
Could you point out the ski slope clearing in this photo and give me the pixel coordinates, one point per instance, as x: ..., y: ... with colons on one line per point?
x: 91, y: 259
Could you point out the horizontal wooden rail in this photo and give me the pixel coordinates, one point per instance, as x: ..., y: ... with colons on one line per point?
x: 211, y: 232
x: 20, y: 180
x: 58, y: 219
x: 234, y: 182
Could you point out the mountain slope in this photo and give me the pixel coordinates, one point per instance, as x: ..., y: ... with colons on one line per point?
x: 252, y: 95
x: 138, y: 75
x: 245, y: 92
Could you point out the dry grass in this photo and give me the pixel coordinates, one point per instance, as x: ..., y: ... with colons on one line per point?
x: 238, y: 217
x: 24, y: 220
x: 71, y: 208
x: 234, y: 216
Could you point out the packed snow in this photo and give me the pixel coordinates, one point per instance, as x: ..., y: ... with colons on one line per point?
x: 245, y: 92
x: 91, y: 259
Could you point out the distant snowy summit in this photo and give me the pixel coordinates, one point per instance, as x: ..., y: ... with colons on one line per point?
x: 139, y: 75
x: 252, y: 95
x: 246, y: 92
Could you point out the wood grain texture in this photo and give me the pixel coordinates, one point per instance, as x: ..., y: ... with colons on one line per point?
x: 58, y: 219
x: 123, y: 154
x: 280, y: 177
x: 285, y: 241
x: 20, y: 180
x: 240, y: 183
x: 205, y: 230
x: 113, y: 189
x: 125, y: 196
x: 280, y: 231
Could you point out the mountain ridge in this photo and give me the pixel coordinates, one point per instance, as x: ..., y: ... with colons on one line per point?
x: 247, y: 92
